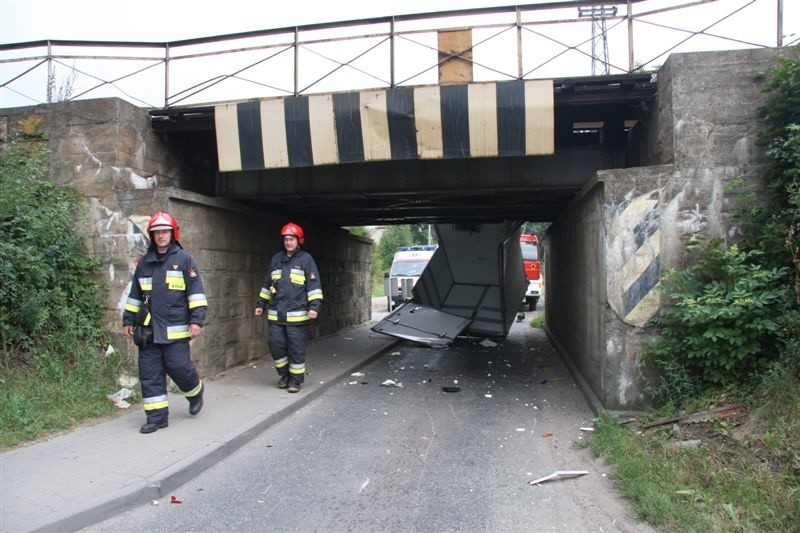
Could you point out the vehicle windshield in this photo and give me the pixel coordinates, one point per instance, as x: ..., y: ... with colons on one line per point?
x: 408, y: 268
x: 530, y: 251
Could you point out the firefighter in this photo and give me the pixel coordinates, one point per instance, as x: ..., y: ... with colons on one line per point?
x: 292, y: 295
x: 166, y: 308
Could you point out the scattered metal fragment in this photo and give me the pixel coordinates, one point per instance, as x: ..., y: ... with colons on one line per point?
x: 559, y: 474
x: 391, y: 383
x: 451, y: 389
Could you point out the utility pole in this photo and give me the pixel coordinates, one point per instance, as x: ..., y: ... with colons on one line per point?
x: 598, y: 15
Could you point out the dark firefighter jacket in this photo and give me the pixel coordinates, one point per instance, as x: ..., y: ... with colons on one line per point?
x: 172, y: 286
x: 291, y: 288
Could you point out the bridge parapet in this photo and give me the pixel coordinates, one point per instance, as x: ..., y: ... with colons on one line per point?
x: 544, y: 40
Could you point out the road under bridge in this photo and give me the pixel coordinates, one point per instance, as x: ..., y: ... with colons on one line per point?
x: 626, y: 168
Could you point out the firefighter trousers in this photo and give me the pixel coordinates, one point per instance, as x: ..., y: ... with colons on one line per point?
x: 156, y: 362
x: 287, y: 344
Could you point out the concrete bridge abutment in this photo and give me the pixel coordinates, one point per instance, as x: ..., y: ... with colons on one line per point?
x: 696, y: 150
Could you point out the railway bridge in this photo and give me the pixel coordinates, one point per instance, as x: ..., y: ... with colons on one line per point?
x: 625, y: 167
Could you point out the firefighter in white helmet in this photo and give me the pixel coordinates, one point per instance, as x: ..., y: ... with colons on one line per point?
x: 166, y: 308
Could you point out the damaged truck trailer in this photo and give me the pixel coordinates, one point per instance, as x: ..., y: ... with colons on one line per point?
x: 472, y: 286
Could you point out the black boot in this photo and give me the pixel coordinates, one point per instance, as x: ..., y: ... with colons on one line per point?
x: 196, y: 403
x: 151, y: 427
x: 283, y: 382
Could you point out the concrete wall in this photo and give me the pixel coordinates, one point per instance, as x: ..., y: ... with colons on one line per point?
x: 106, y: 150
x: 697, y: 141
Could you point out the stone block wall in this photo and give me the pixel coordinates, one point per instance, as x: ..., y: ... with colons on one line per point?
x: 106, y: 150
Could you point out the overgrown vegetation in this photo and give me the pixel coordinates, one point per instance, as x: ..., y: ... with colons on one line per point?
x: 54, y: 369
x: 731, y: 337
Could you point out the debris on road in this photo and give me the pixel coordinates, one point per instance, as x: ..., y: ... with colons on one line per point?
x: 357, y: 374
x: 486, y: 343
x: 391, y: 383
x: 451, y: 389
x: 559, y: 474
x: 174, y: 499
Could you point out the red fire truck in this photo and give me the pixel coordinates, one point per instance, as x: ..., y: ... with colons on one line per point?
x: 533, y: 268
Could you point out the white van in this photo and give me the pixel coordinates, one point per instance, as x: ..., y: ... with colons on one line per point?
x: 407, y: 267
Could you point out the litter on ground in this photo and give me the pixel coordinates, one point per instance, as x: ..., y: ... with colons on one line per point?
x: 119, y: 398
x: 559, y: 474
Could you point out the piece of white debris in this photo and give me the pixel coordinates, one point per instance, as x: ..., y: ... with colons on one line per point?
x: 119, y: 398
x: 357, y: 374
x: 391, y: 383
x: 559, y: 474
x: 486, y: 343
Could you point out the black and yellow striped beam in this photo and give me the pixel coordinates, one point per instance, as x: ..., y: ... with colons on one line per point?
x: 510, y: 118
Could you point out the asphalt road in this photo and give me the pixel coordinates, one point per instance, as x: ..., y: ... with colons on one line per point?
x: 450, y: 445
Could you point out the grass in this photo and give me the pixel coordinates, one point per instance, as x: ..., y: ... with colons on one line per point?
x: 33, y: 406
x: 745, y: 476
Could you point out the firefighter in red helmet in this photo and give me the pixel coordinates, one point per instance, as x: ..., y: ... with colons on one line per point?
x: 292, y: 295
x: 166, y: 308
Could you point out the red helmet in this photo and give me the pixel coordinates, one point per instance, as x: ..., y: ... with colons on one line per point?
x: 162, y: 220
x: 293, y: 229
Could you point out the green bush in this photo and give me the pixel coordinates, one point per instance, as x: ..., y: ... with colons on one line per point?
x: 726, y: 320
x: 51, y: 319
x: 49, y: 284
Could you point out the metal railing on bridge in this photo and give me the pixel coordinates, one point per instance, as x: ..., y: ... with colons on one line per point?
x: 534, y: 41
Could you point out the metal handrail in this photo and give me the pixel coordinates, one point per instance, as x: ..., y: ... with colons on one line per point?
x: 268, y: 45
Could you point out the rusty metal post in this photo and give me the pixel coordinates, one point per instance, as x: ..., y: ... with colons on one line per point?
x: 50, y: 73
x: 780, y: 23
x: 166, y: 75
x: 391, y: 53
x: 630, y: 37
x: 296, y: 58
x: 519, y: 44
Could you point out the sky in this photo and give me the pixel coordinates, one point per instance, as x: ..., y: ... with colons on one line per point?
x: 168, y: 20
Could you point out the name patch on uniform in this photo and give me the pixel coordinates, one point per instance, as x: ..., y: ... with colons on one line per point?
x: 174, y: 279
